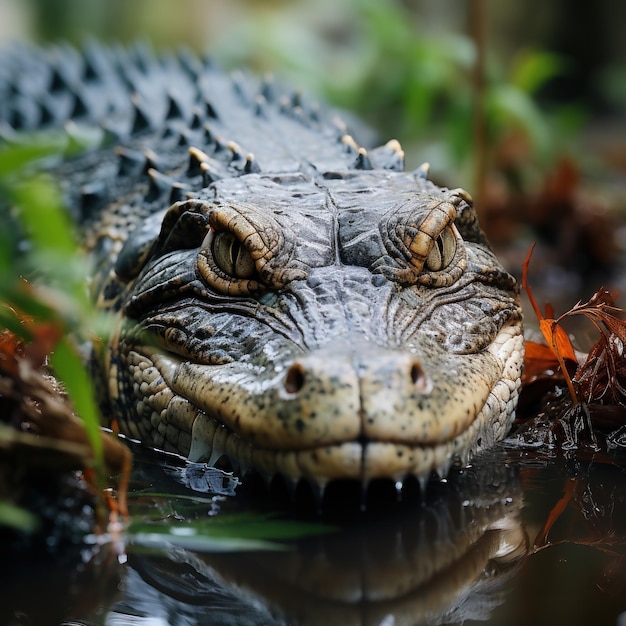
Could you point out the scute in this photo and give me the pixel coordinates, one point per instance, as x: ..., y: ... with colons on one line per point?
x: 285, y: 296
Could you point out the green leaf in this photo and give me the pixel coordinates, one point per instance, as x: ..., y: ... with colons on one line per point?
x: 46, y: 221
x: 234, y: 532
x: 533, y: 69
x: 18, y: 518
x: 508, y: 106
x: 15, y: 157
x: 68, y: 366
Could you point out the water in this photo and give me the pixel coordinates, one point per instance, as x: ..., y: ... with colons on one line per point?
x: 521, y: 537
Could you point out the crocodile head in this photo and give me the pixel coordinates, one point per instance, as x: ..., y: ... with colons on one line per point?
x: 348, y: 325
x: 313, y: 310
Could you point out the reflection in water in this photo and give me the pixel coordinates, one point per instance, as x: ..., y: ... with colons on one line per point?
x: 59, y: 586
x: 458, y: 557
x: 444, y: 561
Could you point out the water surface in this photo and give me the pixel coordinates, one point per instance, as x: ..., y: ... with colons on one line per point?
x: 521, y: 537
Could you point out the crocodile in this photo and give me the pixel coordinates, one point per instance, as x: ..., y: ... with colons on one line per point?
x: 283, y: 297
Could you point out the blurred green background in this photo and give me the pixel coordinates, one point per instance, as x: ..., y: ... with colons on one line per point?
x: 403, y: 65
x: 522, y: 103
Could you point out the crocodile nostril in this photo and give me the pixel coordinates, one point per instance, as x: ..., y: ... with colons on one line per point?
x: 418, y: 378
x: 294, y: 381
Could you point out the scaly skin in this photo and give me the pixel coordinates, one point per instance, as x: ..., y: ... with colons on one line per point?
x: 312, y: 311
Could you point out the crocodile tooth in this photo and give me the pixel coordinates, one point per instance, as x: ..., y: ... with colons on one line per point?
x: 220, y: 439
x: 423, y: 483
x: 422, y: 171
x: 444, y: 469
x: 318, y: 490
x: 465, y: 457
x: 216, y: 455
x: 202, y: 433
x: 236, y: 451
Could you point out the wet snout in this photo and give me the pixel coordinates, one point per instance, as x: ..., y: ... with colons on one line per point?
x: 377, y: 391
x: 343, y: 410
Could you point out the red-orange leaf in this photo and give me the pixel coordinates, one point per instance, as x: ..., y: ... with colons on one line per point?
x: 537, y: 359
x: 557, y: 339
x: 526, y: 286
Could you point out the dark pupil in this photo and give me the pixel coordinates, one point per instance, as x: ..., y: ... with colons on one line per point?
x: 441, y: 247
x: 235, y: 248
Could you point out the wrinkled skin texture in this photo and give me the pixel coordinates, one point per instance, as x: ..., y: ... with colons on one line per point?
x: 312, y: 310
x: 330, y: 365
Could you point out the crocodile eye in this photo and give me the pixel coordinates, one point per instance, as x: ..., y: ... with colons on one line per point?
x: 226, y: 265
x: 231, y: 256
x: 443, y: 251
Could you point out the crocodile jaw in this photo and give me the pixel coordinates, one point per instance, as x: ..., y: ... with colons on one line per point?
x: 365, y: 414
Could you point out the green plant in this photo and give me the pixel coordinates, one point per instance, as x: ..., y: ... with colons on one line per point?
x: 43, y: 276
x: 378, y: 60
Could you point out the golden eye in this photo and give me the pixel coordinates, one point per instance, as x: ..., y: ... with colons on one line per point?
x: 443, y: 251
x: 231, y: 256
